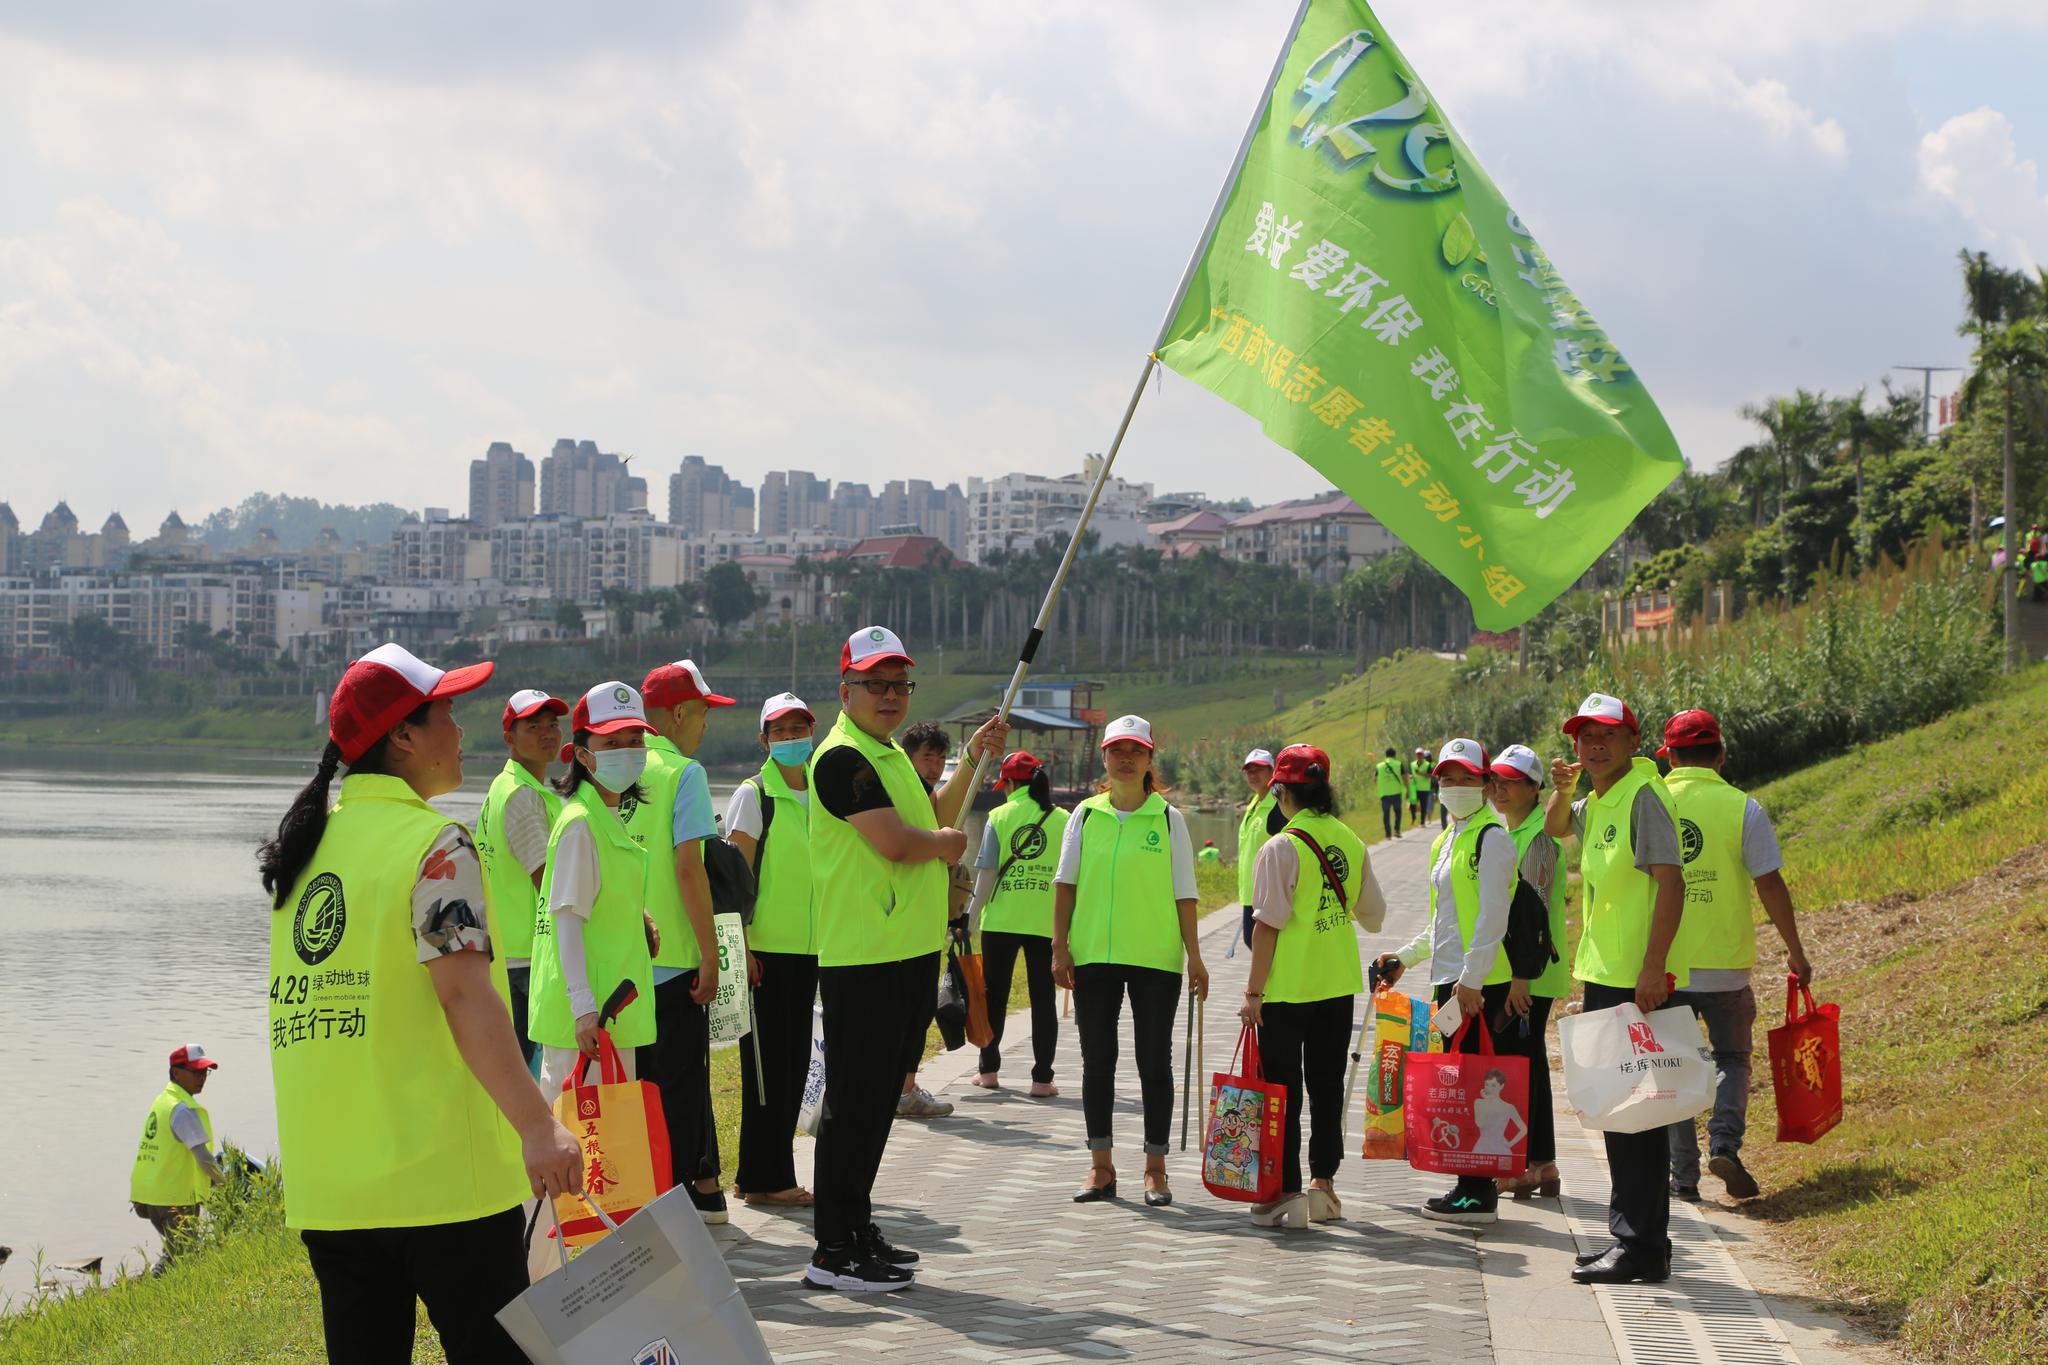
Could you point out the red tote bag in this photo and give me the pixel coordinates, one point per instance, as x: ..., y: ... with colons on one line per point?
x: 1467, y: 1113
x: 1806, y: 1066
x: 1242, y: 1138
x: 624, y: 1136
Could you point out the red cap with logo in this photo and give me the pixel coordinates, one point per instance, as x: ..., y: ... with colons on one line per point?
x: 1468, y: 754
x: 532, y: 702
x: 193, y: 1058
x: 1688, y: 728
x: 606, y: 709
x: 1020, y: 767
x: 384, y: 687
x: 1601, y: 709
x: 871, y: 647
x: 676, y: 683
x: 1296, y: 762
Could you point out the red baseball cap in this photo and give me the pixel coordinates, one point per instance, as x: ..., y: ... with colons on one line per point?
x: 193, y: 1058
x: 385, y: 686
x: 1019, y: 767
x: 681, y: 681
x: 606, y: 709
x: 871, y: 646
x: 532, y: 702
x: 1602, y: 709
x: 1294, y: 762
x: 1688, y: 728
x: 1468, y: 754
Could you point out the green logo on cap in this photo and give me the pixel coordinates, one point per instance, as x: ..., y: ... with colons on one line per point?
x: 622, y: 695
x: 876, y: 635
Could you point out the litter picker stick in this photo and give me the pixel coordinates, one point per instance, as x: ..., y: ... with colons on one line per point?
x: 1187, y: 1073
x: 754, y: 1032
x: 1372, y: 989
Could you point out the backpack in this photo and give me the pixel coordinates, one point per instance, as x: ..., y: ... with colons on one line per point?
x: 732, y: 879
x: 767, y: 819
x: 1527, y: 941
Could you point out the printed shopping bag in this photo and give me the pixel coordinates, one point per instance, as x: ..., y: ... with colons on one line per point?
x: 624, y: 1136
x: 1628, y: 1072
x: 1806, y: 1066
x: 653, y: 1291
x: 728, y: 1007
x: 810, y: 1114
x: 1242, y: 1138
x: 1467, y: 1113
x: 1400, y: 1026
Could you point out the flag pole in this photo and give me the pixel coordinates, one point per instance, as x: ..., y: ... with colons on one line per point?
x: 1187, y: 275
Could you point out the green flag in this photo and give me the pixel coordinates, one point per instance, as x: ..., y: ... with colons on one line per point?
x: 1368, y: 295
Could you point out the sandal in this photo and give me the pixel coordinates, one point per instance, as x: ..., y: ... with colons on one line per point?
x: 796, y: 1196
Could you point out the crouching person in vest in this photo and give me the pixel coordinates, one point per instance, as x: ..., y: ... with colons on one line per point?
x: 879, y: 885
x: 407, y: 1122
x: 1123, y: 921
x: 1634, y: 900
x: 174, y: 1163
x: 1310, y: 882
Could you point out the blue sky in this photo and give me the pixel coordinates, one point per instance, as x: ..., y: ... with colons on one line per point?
x: 337, y: 250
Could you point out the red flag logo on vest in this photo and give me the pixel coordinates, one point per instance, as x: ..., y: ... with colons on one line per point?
x: 1642, y: 1039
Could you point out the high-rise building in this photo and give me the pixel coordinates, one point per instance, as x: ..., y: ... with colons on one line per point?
x: 941, y: 513
x: 1017, y: 510
x: 578, y: 480
x: 500, y: 486
x: 702, y: 498
x: 853, y: 511
x: 794, y: 500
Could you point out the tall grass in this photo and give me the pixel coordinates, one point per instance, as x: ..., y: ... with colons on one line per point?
x: 1862, y: 658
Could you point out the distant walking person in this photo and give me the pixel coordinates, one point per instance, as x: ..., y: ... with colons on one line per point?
x: 1124, y: 924
x: 405, y: 1114
x: 1423, y: 785
x: 1392, y: 779
x: 174, y: 1163
x: 512, y: 840
x: 1728, y: 847
x: 1012, y: 902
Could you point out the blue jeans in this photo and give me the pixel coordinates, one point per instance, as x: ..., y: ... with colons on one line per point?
x: 1730, y: 1017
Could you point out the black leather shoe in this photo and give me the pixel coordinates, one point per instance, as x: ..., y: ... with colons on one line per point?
x: 1618, y: 1266
x: 1588, y: 1257
x: 1095, y: 1194
x: 1158, y: 1199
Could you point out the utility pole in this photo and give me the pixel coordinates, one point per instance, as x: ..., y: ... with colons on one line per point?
x: 1927, y: 373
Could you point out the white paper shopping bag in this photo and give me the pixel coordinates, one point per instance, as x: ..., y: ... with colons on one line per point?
x: 1627, y: 1072
x: 810, y: 1114
x: 654, y: 1290
x: 728, y: 1015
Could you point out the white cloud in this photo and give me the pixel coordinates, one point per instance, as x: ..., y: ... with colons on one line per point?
x: 1973, y: 163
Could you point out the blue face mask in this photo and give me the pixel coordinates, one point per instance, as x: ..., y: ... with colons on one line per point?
x: 790, y: 753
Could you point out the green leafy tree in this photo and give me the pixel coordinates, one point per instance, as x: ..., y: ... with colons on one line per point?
x: 728, y: 594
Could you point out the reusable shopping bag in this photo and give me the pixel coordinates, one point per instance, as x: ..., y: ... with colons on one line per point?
x: 1400, y: 1026
x: 1628, y: 1072
x: 1467, y: 1113
x: 979, y: 1031
x: 1242, y: 1137
x: 619, y: 1125
x: 810, y: 1114
x: 728, y: 1014
x: 962, y: 1014
x: 652, y: 1291
x: 1806, y: 1066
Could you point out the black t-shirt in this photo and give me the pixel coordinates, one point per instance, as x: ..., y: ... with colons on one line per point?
x: 845, y: 783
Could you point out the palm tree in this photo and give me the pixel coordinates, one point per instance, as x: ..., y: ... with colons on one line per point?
x: 2017, y: 351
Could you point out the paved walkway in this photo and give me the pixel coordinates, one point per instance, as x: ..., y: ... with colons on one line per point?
x: 1014, y: 1271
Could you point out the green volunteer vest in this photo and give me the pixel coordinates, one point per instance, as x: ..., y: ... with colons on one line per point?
x: 870, y: 909
x: 514, y: 899
x: 1718, y: 931
x: 1022, y: 900
x: 1316, y: 954
x: 1251, y: 837
x: 379, y: 1120
x: 1418, y: 775
x: 1393, y: 779
x: 614, y: 934
x: 165, y: 1171
x: 1556, y: 981
x: 651, y: 822
x: 1620, y: 898
x: 784, y: 921
x: 2039, y: 570
x: 1465, y: 884
x: 1124, y: 909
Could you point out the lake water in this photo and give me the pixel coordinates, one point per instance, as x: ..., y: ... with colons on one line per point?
x: 131, y: 921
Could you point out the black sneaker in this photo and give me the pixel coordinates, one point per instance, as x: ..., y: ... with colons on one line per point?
x: 1689, y: 1193
x: 849, y: 1269
x: 710, y: 1204
x: 1728, y: 1168
x: 1461, y: 1206
x: 872, y: 1245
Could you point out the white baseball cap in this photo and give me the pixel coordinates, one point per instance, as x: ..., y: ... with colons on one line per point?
x: 1128, y: 727
x: 1257, y: 757
x: 871, y: 646
x: 606, y: 709
x: 1468, y: 754
x: 1602, y: 709
x: 781, y: 704
x: 1519, y: 760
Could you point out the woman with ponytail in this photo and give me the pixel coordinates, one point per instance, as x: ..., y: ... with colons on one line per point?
x: 405, y: 1112
x: 1012, y: 906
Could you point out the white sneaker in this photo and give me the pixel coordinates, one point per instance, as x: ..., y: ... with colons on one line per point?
x: 920, y: 1103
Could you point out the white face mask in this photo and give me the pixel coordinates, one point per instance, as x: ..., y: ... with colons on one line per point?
x: 1461, y: 802
x: 618, y: 769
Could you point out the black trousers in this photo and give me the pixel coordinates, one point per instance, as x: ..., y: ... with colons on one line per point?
x: 780, y: 1044
x: 1509, y: 1041
x: 1542, y: 1119
x: 1303, y: 1046
x: 1639, y: 1207
x: 1390, y: 814
x: 516, y: 979
x: 1099, y: 989
x: 463, y: 1272
x: 678, y: 1061
x: 1423, y: 797
x: 998, y: 962
x: 876, y: 1017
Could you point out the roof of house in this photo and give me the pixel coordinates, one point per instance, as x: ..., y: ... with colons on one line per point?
x: 1332, y: 504
x: 1195, y: 522
x: 899, y: 552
